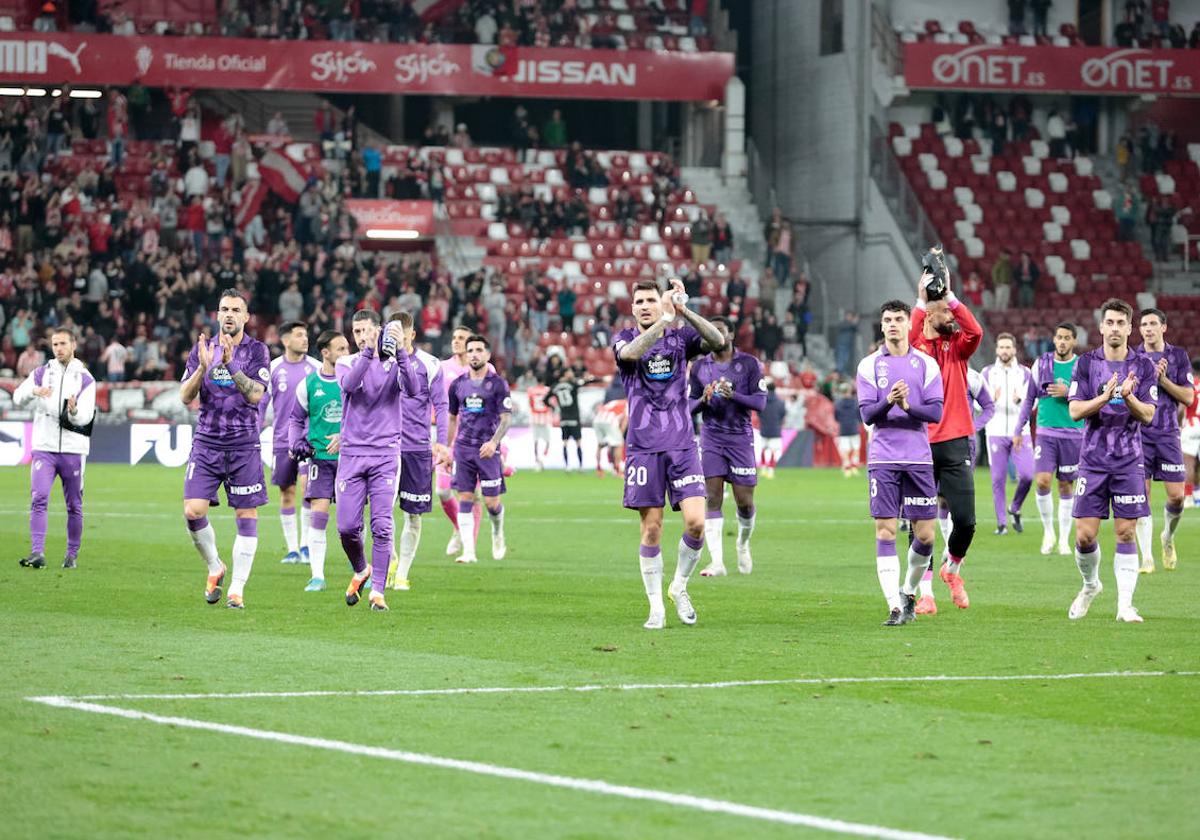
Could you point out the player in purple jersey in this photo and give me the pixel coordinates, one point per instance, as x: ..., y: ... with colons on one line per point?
x: 314, y: 435
x: 661, y: 458
x: 373, y: 380
x: 287, y: 372
x: 1114, y: 389
x: 1162, y: 445
x: 899, y: 392
x: 229, y: 375
x: 480, y: 408
x: 723, y: 389
x: 418, y: 453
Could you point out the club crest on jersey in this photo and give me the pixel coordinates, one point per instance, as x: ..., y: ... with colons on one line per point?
x: 914, y: 362
x: 882, y: 381
x: 660, y: 368
x: 282, y: 386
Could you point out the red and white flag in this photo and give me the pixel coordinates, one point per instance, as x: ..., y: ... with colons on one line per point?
x: 282, y: 175
x: 253, y: 193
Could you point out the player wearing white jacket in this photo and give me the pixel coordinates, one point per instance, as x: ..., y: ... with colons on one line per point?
x: 63, y: 395
x: 1008, y: 381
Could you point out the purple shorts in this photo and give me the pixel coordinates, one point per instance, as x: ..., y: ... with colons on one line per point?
x: 1125, y: 490
x: 322, y: 479
x: 907, y: 491
x: 731, y: 460
x: 1059, y: 455
x: 470, y: 469
x: 1163, y: 458
x: 240, y: 470
x: 416, y: 482
x: 650, y: 476
x: 286, y: 469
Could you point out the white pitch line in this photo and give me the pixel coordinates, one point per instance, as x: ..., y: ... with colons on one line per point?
x: 679, y: 800
x: 553, y: 689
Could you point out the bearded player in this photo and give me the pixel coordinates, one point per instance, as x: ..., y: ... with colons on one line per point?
x: 229, y: 374
x: 1161, y: 444
x: 661, y: 458
x: 452, y: 368
x: 288, y: 372
x: 314, y: 436
x: 1056, y: 454
x: 1114, y: 390
x: 724, y: 388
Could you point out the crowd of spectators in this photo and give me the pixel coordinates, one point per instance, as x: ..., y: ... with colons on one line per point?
x: 1149, y: 25
x: 1068, y: 130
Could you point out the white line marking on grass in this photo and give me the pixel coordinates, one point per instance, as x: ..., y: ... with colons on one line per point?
x: 679, y: 800
x: 552, y: 689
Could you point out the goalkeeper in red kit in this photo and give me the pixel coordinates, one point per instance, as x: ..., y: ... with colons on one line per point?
x: 945, y: 329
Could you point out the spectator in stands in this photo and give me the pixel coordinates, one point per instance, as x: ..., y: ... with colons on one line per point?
x: 1016, y: 17
x: 114, y: 357
x: 461, y: 138
x: 702, y: 238
x: 1194, y: 36
x: 566, y: 306
x: 1056, y: 134
x: 722, y: 239
x: 1032, y: 339
x: 1026, y: 275
x: 1124, y: 34
x: 781, y: 257
x: 30, y: 360
x: 554, y: 132
x: 58, y: 126
x: 1135, y: 16
x: 1124, y: 157
x: 998, y: 131
x: 973, y: 289
x: 1002, y: 279
x: 1020, y: 110
x: 1127, y: 209
x: 118, y: 125
x: 1177, y: 35
x: 1161, y: 218
x: 278, y: 126
x: 845, y: 342
x: 494, y: 303
x: 1041, y: 11
x: 45, y: 22
x: 1160, y: 15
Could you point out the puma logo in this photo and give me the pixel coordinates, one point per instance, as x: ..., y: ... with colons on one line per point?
x: 72, y: 58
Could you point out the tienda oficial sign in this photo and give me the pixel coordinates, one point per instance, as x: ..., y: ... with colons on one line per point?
x: 360, y: 67
x: 1097, y: 70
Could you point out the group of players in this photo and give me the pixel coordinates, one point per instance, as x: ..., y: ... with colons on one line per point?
x: 373, y: 427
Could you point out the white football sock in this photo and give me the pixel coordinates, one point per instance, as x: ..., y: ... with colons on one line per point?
x: 497, y: 520
x: 1089, y: 565
x: 688, y: 558
x: 1045, y: 509
x: 410, y: 538
x: 288, y: 521
x: 1125, y: 568
x: 466, y: 530
x: 713, y: 534
x: 652, y: 570
x: 745, y: 528
x: 1066, y: 510
x: 1172, y: 520
x: 1145, y: 537
x: 917, y: 564
x: 205, y: 541
x: 305, y: 524
x: 946, y: 524
x: 888, y: 569
x: 244, y: 549
x: 316, y: 552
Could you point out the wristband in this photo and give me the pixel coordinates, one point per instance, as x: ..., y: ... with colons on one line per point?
x: 233, y: 367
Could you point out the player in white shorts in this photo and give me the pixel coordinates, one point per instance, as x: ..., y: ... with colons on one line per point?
x: 609, y: 426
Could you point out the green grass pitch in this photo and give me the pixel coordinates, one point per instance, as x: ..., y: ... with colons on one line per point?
x: 1015, y: 758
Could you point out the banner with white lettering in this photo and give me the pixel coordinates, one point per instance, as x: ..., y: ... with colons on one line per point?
x: 1097, y: 70
x: 336, y: 66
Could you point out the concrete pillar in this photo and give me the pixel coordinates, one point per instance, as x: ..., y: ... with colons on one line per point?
x: 395, y: 121
x: 733, y: 156
x: 645, y: 124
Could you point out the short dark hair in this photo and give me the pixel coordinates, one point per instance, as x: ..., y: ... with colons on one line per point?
x: 721, y: 319
x: 473, y: 337
x: 1009, y: 336
x: 1117, y: 305
x: 67, y: 331
x: 1162, y: 316
x: 287, y: 326
x: 234, y: 293
x: 366, y: 315
x: 462, y: 328
x: 1069, y: 327
x: 404, y: 319
x: 895, y: 306
x: 326, y: 338
x: 646, y: 286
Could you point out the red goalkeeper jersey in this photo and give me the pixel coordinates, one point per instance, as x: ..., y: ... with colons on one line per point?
x: 951, y: 353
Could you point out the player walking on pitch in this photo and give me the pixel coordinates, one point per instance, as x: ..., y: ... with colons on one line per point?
x: 1162, y: 446
x: 609, y: 424
x: 288, y: 372
x: 723, y: 389
x: 1114, y: 390
x: 452, y: 368
x: 480, y: 414
x: 373, y: 381
x: 1058, y: 436
x: 1007, y: 441
x: 899, y: 392
x: 542, y: 419
x: 314, y: 435
x: 417, y: 452
x: 661, y: 457
x: 64, y: 398
x: 229, y: 374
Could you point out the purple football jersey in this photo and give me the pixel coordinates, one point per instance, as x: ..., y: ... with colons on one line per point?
x: 281, y: 393
x: 899, y: 436
x: 428, y: 400
x: 729, y: 418
x: 1112, y: 439
x: 478, y: 406
x: 656, y: 387
x: 226, y: 420
x: 1165, y: 425
x: 372, y: 415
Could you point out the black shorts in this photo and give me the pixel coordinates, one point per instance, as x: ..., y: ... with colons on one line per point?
x: 574, y: 432
x: 954, y: 470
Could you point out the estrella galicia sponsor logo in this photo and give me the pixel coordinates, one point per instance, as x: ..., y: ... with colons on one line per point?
x: 474, y: 404
x: 680, y: 483
x: 660, y: 368
x: 1138, y: 499
x: 220, y: 377
x: 244, y: 489
x: 920, y: 501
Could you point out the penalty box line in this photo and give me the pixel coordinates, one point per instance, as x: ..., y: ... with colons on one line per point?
x: 595, y: 687
x: 594, y: 786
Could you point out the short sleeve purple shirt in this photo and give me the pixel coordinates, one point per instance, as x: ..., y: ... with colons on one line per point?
x: 478, y: 406
x: 656, y: 387
x: 723, y: 419
x: 226, y: 420
x: 1165, y: 425
x: 899, y: 438
x: 285, y: 379
x: 1112, y: 438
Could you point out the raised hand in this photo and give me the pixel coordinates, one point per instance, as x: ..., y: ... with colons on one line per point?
x: 926, y: 277
x: 668, y: 307
x: 204, y: 351
x: 1110, y: 387
x: 71, y: 405
x: 1161, y: 371
x: 1056, y: 389
x: 1128, y: 386
x: 44, y: 391
x: 708, y: 392
x: 226, y: 348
